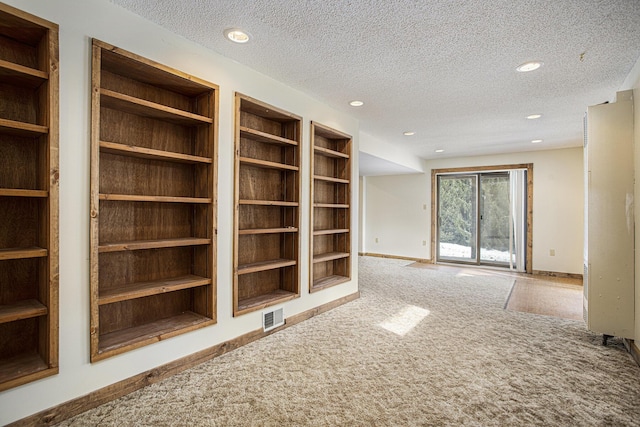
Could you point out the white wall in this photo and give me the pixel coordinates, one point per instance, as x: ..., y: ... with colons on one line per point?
x: 80, y: 21
x: 396, y: 222
x: 395, y: 214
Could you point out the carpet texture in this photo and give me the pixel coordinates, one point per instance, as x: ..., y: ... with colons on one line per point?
x: 420, y: 347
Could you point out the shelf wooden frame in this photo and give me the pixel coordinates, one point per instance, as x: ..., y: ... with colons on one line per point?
x: 267, y: 196
x: 148, y: 153
x: 155, y: 287
x: 22, y: 253
x: 16, y: 74
x: 330, y: 240
x: 29, y: 197
x: 266, y: 164
x: 153, y: 202
x: 331, y: 179
x: 13, y: 127
x: 19, y: 192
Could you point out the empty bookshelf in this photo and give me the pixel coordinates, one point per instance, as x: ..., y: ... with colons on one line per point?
x: 331, y: 208
x: 267, y: 211
x: 28, y: 198
x: 153, y: 202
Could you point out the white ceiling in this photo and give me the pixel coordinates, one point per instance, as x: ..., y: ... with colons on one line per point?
x: 442, y: 68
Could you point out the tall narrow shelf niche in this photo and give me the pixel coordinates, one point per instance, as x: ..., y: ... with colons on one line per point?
x: 267, y: 197
x: 153, y: 202
x: 28, y: 198
x: 331, y: 210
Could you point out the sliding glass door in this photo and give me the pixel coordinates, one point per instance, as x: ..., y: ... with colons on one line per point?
x: 457, y: 218
x: 480, y: 218
x: 494, y: 218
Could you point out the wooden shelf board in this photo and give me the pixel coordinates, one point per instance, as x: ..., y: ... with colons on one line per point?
x: 267, y: 203
x: 268, y: 230
x: 16, y: 74
x: 141, y: 107
x: 21, y: 253
x: 159, y: 199
x: 329, y: 153
x: 262, y: 301
x: 264, y: 137
x: 326, y: 282
x: 156, y: 287
x: 19, y: 192
x: 138, y: 336
x: 22, y: 129
x: 331, y: 231
x: 330, y: 205
x: 152, y: 244
x: 149, y: 153
x: 19, y: 366
x: 331, y: 179
x: 266, y: 164
x: 329, y: 256
x: 25, y: 309
x: 255, y: 267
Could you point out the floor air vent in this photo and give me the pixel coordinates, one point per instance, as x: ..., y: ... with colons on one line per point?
x: 272, y: 319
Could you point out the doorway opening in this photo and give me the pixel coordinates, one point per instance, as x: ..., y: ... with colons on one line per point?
x: 483, y: 216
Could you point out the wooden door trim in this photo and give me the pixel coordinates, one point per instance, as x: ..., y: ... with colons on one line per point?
x: 475, y: 169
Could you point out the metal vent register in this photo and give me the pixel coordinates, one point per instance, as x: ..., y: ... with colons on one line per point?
x: 272, y: 319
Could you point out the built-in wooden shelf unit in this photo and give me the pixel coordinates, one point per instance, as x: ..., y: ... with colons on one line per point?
x: 28, y: 197
x: 330, y: 211
x: 153, y: 202
x: 267, y: 206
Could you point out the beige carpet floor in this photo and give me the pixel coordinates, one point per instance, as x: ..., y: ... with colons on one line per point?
x: 420, y: 348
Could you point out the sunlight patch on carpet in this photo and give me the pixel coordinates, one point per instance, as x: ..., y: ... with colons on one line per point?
x: 405, y: 320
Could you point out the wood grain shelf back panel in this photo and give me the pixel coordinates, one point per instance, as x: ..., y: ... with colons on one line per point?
x: 131, y: 129
x: 28, y: 110
x: 330, y: 241
x: 28, y: 197
x: 147, y: 265
x: 267, y: 196
x: 154, y: 153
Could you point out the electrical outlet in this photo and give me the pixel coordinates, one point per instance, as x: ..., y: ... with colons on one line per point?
x: 552, y: 252
x: 424, y: 207
x: 424, y: 243
x: 376, y: 240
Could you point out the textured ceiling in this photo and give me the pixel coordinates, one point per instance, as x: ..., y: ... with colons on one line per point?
x: 444, y: 69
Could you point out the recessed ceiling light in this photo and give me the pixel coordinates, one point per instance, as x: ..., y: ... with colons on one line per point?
x: 236, y: 35
x: 534, y: 116
x: 408, y: 133
x: 535, y: 141
x: 439, y: 150
x: 529, y: 66
x: 356, y: 103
